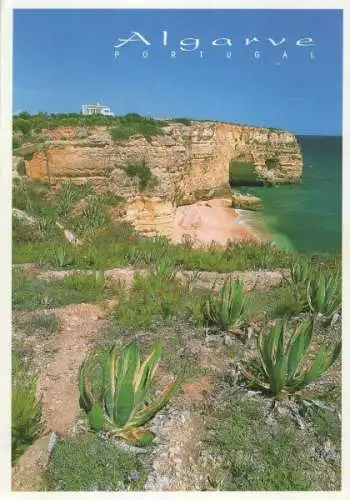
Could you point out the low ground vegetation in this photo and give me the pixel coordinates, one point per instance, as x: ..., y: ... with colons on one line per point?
x: 26, y: 408
x: 270, y: 420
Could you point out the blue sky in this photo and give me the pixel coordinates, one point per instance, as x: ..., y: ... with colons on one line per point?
x: 64, y: 58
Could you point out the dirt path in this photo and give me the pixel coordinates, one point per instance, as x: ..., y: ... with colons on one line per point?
x: 58, y: 383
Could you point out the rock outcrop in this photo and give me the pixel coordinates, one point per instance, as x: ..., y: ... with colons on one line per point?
x: 188, y: 163
x: 246, y: 202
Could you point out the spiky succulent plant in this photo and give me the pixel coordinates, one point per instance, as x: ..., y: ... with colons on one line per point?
x: 164, y: 269
x: 300, y: 272
x: 228, y: 308
x: 324, y: 294
x: 125, y: 405
x: 283, y: 365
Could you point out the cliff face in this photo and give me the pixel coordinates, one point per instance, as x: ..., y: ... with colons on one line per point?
x: 188, y: 163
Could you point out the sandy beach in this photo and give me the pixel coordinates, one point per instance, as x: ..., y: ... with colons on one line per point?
x: 211, y: 221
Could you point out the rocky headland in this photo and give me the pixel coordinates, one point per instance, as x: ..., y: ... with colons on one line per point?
x: 188, y: 192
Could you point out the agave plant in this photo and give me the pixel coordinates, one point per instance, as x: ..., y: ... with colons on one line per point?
x: 165, y: 269
x: 228, y: 309
x: 62, y: 257
x: 300, y: 272
x: 285, y: 370
x: 324, y: 294
x: 124, y: 407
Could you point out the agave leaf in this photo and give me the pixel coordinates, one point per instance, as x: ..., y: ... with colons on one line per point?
x: 96, y: 417
x: 124, y: 401
x: 272, y: 343
x: 144, y: 376
x: 136, y: 436
x: 299, y: 345
x: 109, y: 379
x: 256, y: 381
x: 236, y: 298
x: 332, y: 356
x: 85, y: 388
x: 321, y: 294
x: 316, y: 369
x: 278, y: 376
x: 260, y: 344
x: 143, y: 416
x: 124, y: 395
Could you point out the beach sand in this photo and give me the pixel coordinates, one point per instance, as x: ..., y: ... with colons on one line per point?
x: 211, y: 221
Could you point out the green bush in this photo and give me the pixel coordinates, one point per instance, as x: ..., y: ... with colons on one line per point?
x: 140, y: 170
x: 111, y: 199
x: 26, y: 409
x: 184, y: 121
x: 129, y: 126
x: 15, y: 143
x: 22, y: 125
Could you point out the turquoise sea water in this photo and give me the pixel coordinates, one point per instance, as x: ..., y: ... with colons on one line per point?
x: 307, y: 217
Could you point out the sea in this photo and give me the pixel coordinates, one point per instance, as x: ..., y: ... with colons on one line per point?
x: 305, y: 217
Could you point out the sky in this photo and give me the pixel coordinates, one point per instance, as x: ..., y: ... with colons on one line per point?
x: 66, y: 58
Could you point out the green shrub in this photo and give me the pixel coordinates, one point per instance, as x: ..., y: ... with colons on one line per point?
x: 282, y: 364
x: 26, y: 409
x: 15, y: 143
x: 128, y: 127
x: 22, y: 125
x: 243, y: 174
x: 184, y: 121
x: 121, y: 133
x: 122, y: 406
x: 140, y: 170
x: 227, y: 309
x: 111, y: 199
x: 90, y: 464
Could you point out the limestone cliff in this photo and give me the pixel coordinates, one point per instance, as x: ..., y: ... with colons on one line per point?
x: 188, y: 162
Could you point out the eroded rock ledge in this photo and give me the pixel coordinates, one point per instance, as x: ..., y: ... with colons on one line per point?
x: 188, y: 163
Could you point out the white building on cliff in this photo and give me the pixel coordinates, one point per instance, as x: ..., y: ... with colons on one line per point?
x: 96, y: 109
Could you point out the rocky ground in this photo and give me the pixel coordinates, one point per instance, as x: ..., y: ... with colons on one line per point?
x: 181, y: 459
